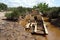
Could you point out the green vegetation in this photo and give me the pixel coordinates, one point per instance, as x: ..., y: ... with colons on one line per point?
x: 3, y: 7
x: 50, y: 12
x: 53, y: 13
x: 11, y: 8
x: 17, y: 12
x: 42, y: 7
x: 13, y: 16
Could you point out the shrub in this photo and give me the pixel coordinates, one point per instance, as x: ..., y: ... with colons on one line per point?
x: 13, y: 16
x: 8, y: 15
x: 53, y: 13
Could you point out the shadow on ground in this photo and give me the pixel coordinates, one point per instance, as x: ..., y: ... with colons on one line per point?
x: 41, y: 34
x: 12, y: 20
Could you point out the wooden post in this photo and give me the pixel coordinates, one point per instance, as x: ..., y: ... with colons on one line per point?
x: 35, y: 27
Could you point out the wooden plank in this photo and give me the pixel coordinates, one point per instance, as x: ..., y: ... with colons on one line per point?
x: 35, y: 24
x: 45, y: 29
x: 35, y: 28
x: 27, y: 25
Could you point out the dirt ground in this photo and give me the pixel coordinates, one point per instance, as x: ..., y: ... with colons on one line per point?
x: 12, y: 30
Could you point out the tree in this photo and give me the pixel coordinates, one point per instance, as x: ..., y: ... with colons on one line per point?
x: 34, y: 7
x: 21, y: 9
x: 42, y: 7
x: 54, y: 12
x: 3, y: 6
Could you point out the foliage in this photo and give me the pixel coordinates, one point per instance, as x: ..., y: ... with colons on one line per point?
x: 42, y: 7
x: 53, y: 12
x: 24, y: 10
x: 29, y: 9
x: 3, y: 6
x: 21, y: 9
x: 17, y: 12
x: 13, y: 16
x: 11, y: 8
x: 54, y: 15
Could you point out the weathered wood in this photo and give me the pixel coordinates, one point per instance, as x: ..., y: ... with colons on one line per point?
x: 46, y: 32
x: 35, y: 28
x: 27, y: 25
x: 44, y: 26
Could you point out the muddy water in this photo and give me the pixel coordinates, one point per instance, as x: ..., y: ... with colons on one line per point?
x: 53, y: 33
